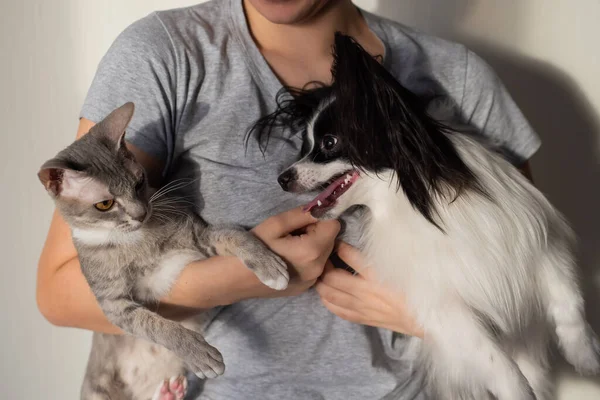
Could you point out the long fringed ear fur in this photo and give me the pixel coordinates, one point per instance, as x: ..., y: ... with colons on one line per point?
x: 384, y: 125
x: 294, y: 109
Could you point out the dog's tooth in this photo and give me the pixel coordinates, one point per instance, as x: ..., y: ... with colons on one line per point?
x: 319, y: 203
x: 348, y: 176
x: 346, y: 181
x: 343, y: 185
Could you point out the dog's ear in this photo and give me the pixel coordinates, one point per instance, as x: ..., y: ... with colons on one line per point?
x: 363, y: 83
x: 386, y: 126
x: 294, y: 109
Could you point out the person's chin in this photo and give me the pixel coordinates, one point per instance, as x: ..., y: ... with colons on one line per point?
x: 286, y: 12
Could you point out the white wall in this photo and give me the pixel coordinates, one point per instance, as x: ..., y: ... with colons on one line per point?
x: 545, y: 50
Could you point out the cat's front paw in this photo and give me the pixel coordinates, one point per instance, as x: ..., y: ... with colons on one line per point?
x: 204, y: 360
x: 270, y: 269
x: 171, y: 389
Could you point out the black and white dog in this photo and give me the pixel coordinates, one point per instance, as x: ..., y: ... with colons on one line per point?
x: 484, y: 260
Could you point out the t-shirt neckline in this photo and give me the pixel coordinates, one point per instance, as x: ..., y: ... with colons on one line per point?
x: 258, y: 65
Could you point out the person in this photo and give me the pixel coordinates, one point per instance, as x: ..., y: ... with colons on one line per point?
x: 199, y: 77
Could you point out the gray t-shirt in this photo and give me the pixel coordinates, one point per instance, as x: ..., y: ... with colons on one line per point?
x: 199, y: 82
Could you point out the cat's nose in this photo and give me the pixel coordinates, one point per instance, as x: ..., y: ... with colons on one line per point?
x: 286, y: 178
x: 141, y: 217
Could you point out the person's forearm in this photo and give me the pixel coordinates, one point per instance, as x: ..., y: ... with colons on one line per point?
x: 67, y: 300
x: 214, y: 282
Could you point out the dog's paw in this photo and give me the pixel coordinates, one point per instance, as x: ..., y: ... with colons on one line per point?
x: 270, y: 270
x: 171, y: 389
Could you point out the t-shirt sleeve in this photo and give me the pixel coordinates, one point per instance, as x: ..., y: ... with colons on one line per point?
x: 140, y: 67
x: 487, y: 106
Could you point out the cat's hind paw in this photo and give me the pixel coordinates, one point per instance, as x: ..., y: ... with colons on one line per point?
x: 171, y: 389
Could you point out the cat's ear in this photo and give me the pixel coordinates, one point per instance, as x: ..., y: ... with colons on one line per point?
x: 61, y: 180
x: 115, y: 124
x: 52, y: 174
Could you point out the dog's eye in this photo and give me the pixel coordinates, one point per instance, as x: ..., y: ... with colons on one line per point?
x: 329, y: 142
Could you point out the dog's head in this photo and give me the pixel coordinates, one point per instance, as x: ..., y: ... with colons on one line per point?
x: 327, y: 166
x: 366, y: 123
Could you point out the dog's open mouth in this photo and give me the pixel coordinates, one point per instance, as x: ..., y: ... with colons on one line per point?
x: 328, y: 197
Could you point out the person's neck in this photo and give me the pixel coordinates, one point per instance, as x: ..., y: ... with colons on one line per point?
x: 312, y: 37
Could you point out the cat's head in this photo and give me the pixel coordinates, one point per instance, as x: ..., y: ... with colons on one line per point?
x: 96, y: 182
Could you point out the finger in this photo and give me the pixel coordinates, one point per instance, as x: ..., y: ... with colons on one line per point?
x: 318, y: 240
x: 328, y: 266
x: 345, y: 281
x: 343, y: 313
x: 283, y: 224
x: 338, y: 297
x: 310, y: 228
x: 324, y: 233
x: 356, y: 260
x: 350, y: 255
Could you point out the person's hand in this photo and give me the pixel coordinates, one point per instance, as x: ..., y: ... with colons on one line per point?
x: 361, y: 298
x: 304, y: 242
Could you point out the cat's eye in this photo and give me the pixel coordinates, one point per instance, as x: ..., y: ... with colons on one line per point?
x: 104, y: 205
x: 329, y: 142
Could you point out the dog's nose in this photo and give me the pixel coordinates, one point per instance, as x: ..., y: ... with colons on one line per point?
x: 286, y: 178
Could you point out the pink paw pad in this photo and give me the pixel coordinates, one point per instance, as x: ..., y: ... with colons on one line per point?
x: 172, y: 389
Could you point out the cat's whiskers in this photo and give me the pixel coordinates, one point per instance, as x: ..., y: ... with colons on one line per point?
x: 181, y: 214
x: 174, y: 200
x: 182, y: 206
x: 172, y: 186
x: 167, y: 186
x: 167, y: 204
x: 164, y: 218
x: 172, y: 206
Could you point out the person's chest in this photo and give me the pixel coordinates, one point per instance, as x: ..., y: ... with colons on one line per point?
x: 231, y: 179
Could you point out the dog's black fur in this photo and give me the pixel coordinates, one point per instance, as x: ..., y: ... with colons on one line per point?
x: 381, y: 124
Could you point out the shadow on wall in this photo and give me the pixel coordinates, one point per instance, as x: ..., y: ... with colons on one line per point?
x: 567, y: 167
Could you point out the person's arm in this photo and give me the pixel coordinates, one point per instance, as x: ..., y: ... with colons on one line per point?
x: 65, y: 298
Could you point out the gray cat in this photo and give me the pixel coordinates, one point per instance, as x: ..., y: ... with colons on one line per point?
x: 132, y: 246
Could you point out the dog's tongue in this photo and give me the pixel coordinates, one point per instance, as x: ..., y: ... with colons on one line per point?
x: 328, y: 196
